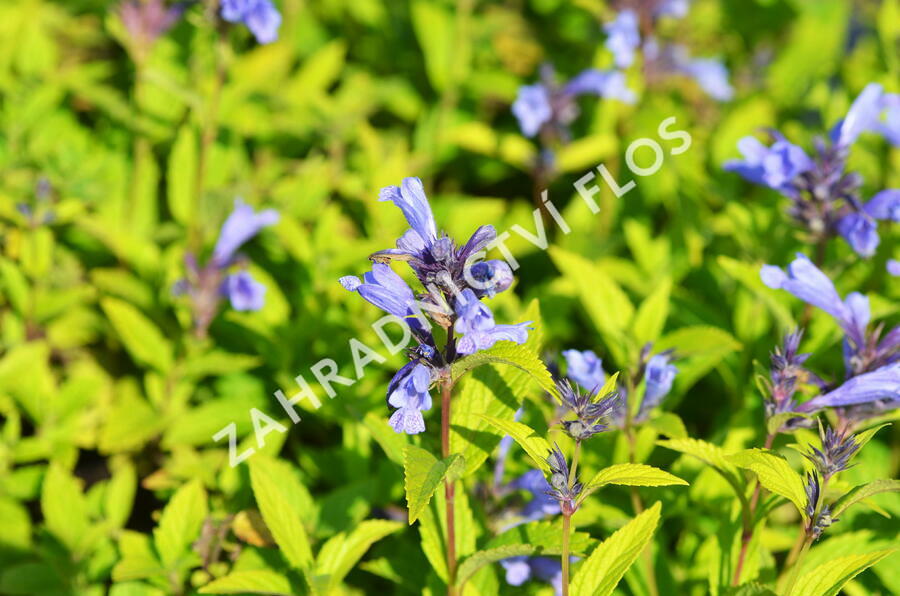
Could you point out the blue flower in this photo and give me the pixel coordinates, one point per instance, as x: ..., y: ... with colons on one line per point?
x: 776, y: 167
x: 893, y: 267
x: 585, y: 368
x: 882, y: 384
x: 547, y: 103
x: 387, y: 290
x: 532, y: 108
x: 659, y: 376
x: 521, y: 569
x: 260, y: 16
x: 408, y: 392
x: 244, y: 292
x: 541, y: 504
x: 623, y: 37
x: 493, y: 276
x: 602, y: 83
x: 475, y: 322
x: 866, y: 115
x: 712, y: 76
x: 860, y: 229
x: 240, y: 226
x: 805, y: 281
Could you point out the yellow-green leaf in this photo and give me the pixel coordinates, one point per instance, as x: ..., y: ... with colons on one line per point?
x: 534, y: 445
x: 423, y: 473
x: 774, y: 473
x: 828, y: 579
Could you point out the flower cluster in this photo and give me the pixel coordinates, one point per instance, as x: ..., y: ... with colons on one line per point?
x: 834, y: 456
x: 872, y: 362
x: 454, y: 280
x: 825, y: 197
x: 624, y: 40
x: 786, y: 374
x: 590, y: 415
x: 819, y: 514
x: 259, y: 16
x: 657, y: 372
x: 563, y: 486
x: 207, y: 284
x: 549, y: 108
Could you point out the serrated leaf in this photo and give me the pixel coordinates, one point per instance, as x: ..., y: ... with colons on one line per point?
x: 651, y: 315
x: 495, y: 391
x: 282, y: 521
x: 774, y: 473
x: 143, y: 340
x: 257, y: 581
x: 423, y: 473
x: 180, y: 523
x: 508, y: 354
x: 631, y: 475
x: 865, y: 436
x: 602, y: 571
x: 534, y: 445
x: 858, y: 493
x: 339, y: 555
x: 828, y: 579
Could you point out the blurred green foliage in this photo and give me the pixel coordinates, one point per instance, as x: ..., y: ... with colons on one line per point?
x: 110, y: 481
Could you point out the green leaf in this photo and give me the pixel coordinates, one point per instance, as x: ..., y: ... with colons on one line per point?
x: 138, y: 559
x: 700, y: 348
x: 546, y: 536
x: 119, y: 497
x: 631, y: 475
x: 774, y: 473
x: 64, y: 507
x: 181, y: 176
x: 651, y: 315
x: 342, y: 552
x: 858, y: 493
x: 606, y: 304
x: 257, y: 581
x: 865, y: 436
x: 602, y: 571
x: 141, y: 337
x: 828, y: 579
x: 180, y: 523
x: 670, y: 425
x: 281, y: 519
x: 710, y: 454
x: 509, y: 354
x: 423, y: 473
x: 491, y: 390
x: 528, y: 439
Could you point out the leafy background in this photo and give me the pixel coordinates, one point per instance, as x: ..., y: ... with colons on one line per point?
x: 110, y: 480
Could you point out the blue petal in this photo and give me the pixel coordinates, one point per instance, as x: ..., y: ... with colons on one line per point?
x: 623, y: 37
x: 885, y: 205
x: 244, y: 292
x: 861, y: 233
x: 242, y: 225
x: 532, y: 108
x: 410, y: 198
x: 585, y: 368
x: 880, y: 384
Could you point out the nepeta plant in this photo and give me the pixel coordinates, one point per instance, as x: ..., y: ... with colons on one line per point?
x: 454, y: 281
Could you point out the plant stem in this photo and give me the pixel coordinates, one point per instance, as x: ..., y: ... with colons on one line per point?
x: 567, y: 517
x: 449, y: 488
x: 747, y: 533
x: 808, y: 538
x: 795, y: 569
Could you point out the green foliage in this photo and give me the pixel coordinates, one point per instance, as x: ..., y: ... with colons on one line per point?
x: 604, y: 568
x: 423, y: 473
